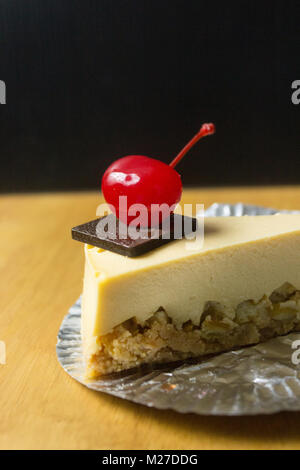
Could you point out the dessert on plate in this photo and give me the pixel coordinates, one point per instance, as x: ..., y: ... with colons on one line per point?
x: 170, y: 303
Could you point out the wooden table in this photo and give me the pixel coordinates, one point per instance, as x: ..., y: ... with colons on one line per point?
x: 41, y: 407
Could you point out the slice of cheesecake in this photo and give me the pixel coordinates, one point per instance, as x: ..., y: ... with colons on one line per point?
x: 240, y: 288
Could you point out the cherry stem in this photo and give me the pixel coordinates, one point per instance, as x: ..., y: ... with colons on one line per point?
x: 206, y: 129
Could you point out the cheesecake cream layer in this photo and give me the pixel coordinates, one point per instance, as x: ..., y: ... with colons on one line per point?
x: 241, y: 258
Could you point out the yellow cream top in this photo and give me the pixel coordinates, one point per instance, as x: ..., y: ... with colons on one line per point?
x: 219, y: 233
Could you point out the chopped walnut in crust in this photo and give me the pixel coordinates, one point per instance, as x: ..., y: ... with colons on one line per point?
x: 221, y: 328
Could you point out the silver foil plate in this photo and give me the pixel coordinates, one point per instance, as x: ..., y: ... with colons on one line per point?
x: 260, y: 379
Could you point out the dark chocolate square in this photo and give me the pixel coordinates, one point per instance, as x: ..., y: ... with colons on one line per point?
x: 93, y: 233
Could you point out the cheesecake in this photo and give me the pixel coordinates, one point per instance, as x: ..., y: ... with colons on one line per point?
x: 241, y: 287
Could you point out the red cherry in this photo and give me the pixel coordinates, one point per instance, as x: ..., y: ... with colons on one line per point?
x: 145, y: 181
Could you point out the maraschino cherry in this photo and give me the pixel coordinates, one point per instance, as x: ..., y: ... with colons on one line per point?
x: 146, y: 181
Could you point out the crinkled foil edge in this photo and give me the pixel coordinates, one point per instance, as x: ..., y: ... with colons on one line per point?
x: 260, y: 379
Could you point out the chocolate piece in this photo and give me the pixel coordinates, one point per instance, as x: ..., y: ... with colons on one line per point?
x: 111, y: 234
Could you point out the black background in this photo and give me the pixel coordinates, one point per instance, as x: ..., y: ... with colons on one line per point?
x: 90, y: 81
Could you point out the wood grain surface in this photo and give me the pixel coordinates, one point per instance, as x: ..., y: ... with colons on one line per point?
x: 41, y: 407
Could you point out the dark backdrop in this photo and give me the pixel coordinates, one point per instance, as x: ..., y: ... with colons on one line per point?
x: 90, y: 81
